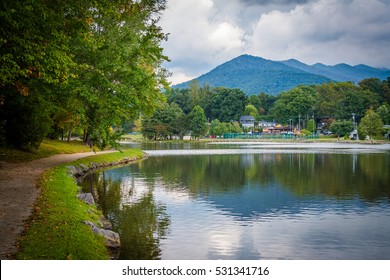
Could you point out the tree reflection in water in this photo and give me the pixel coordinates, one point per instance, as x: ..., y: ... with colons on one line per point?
x: 154, y: 202
x: 140, y: 223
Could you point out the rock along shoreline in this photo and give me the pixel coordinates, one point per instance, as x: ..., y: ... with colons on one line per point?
x: 103, y: 227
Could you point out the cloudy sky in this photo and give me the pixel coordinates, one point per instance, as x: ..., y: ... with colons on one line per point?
x: 206, y: 33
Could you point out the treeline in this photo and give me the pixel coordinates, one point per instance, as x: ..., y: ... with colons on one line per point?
x: 86, y: 66
x: 342, y: 104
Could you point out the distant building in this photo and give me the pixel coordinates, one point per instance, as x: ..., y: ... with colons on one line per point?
x: 278, y: 129
x: 247, y: 121
x: 264, y: 124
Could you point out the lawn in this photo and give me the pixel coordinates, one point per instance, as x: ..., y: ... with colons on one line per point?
x: 47, y: 148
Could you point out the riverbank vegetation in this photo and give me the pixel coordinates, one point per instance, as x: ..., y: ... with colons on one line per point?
x: 47, y: 148
x: 313, y: 108
x: 82, y: 67
x: 56, y: 230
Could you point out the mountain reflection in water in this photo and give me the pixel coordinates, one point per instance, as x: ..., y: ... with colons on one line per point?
x: 300, y: 205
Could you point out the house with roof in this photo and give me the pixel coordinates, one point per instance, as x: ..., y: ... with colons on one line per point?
x: 247, y: 121
x: 265, y: 124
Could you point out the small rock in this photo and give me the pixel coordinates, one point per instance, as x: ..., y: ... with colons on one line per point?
x: 72, y: 170
x: 111, y: 238
x: 84, y: 168
x: 87, y: 198
x: 106, y: 224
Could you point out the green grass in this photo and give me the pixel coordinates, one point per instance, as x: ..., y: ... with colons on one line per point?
x: 47, y: 148
x: 137, y: 137
x: 56, y: 230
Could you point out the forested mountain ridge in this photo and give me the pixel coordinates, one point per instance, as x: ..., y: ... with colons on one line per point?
x: 341, y: 72
x: 255, y: 74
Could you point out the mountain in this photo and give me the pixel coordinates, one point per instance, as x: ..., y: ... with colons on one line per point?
x: 254, y: 74
x: 341, y: 72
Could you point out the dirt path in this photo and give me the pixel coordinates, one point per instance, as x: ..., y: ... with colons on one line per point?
x: 18, y: 194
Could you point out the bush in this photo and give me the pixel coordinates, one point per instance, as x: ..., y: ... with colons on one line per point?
x: 305, y: 132
x: 361, y: 135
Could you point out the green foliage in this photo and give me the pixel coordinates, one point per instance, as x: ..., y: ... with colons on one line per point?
x: 100, y: 62
x: 225, y: 104
x: 197, y: 122
x: 384, y: 112
x: 254, y: 74
x: 361, y: 134
x: 57, y: 231
x: 306, y: 132
x: 250, y: 110
x: 216, y: 128
x: 371, y: 125
x: 311, y: 126
x: 341, y: 128
x: 341, y: 100
x: 35, y: 36
x: 167, y: 121
x: 294, y: 103
x: 327, y: 102
x: 47, y: 148
x: 263, y: 102
x: 218, y: 103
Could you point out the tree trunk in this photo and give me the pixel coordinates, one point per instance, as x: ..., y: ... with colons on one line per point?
x: 70, y: 133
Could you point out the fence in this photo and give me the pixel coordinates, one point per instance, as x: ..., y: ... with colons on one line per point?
x: 267, y: 136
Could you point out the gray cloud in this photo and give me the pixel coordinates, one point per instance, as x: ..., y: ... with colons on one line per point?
x: 274, y: 2
x: 205, y: 33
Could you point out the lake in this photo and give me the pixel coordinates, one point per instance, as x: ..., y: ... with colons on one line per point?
x: 250, y: 201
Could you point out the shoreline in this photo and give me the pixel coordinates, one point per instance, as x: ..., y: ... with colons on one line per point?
x: 25, y: 187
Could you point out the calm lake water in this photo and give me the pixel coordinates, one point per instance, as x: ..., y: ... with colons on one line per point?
x: 250, y: 201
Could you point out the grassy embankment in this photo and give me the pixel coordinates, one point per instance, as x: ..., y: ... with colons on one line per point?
x: 56, y: 230
x: 47, y: 148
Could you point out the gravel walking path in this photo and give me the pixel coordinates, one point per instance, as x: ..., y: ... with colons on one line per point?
x: 18, y: 193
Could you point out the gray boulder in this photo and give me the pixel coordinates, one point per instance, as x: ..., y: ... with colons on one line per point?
x: 87, y: 198
x: 111, y: 238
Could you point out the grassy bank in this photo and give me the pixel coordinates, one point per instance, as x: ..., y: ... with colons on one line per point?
x: 56, y: 230
x: 47, y: 148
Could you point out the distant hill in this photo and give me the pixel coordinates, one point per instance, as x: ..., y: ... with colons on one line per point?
x: 254, y: 74
x: 341, y: 72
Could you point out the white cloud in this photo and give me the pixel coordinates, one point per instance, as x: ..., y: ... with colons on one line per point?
x: 226, y: 37
x: 326, y: 31
x: 200, y: 37
x: 206, y: 33
x: 179, y: 75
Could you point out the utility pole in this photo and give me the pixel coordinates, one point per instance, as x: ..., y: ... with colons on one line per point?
x: 314, y: 125
x: 354, y: 134
x: 299, y: 122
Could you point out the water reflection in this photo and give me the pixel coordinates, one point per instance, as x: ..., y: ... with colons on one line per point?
x: 250, y: 206
x: 136, y: 216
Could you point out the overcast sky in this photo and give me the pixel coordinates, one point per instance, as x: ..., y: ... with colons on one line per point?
x: 206, y: 33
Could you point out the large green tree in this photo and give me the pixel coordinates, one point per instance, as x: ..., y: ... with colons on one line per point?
x: 341, y: 128
x: 250, y: 110
x: 35, y: 38
x: 384, y: 112
x: 371, y: 125
x: 98, y: 62
x: 341, y: 100
x: 197, y: 122
x: 121, y: 75
x: 226, y: 104
x: 294, y: 104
